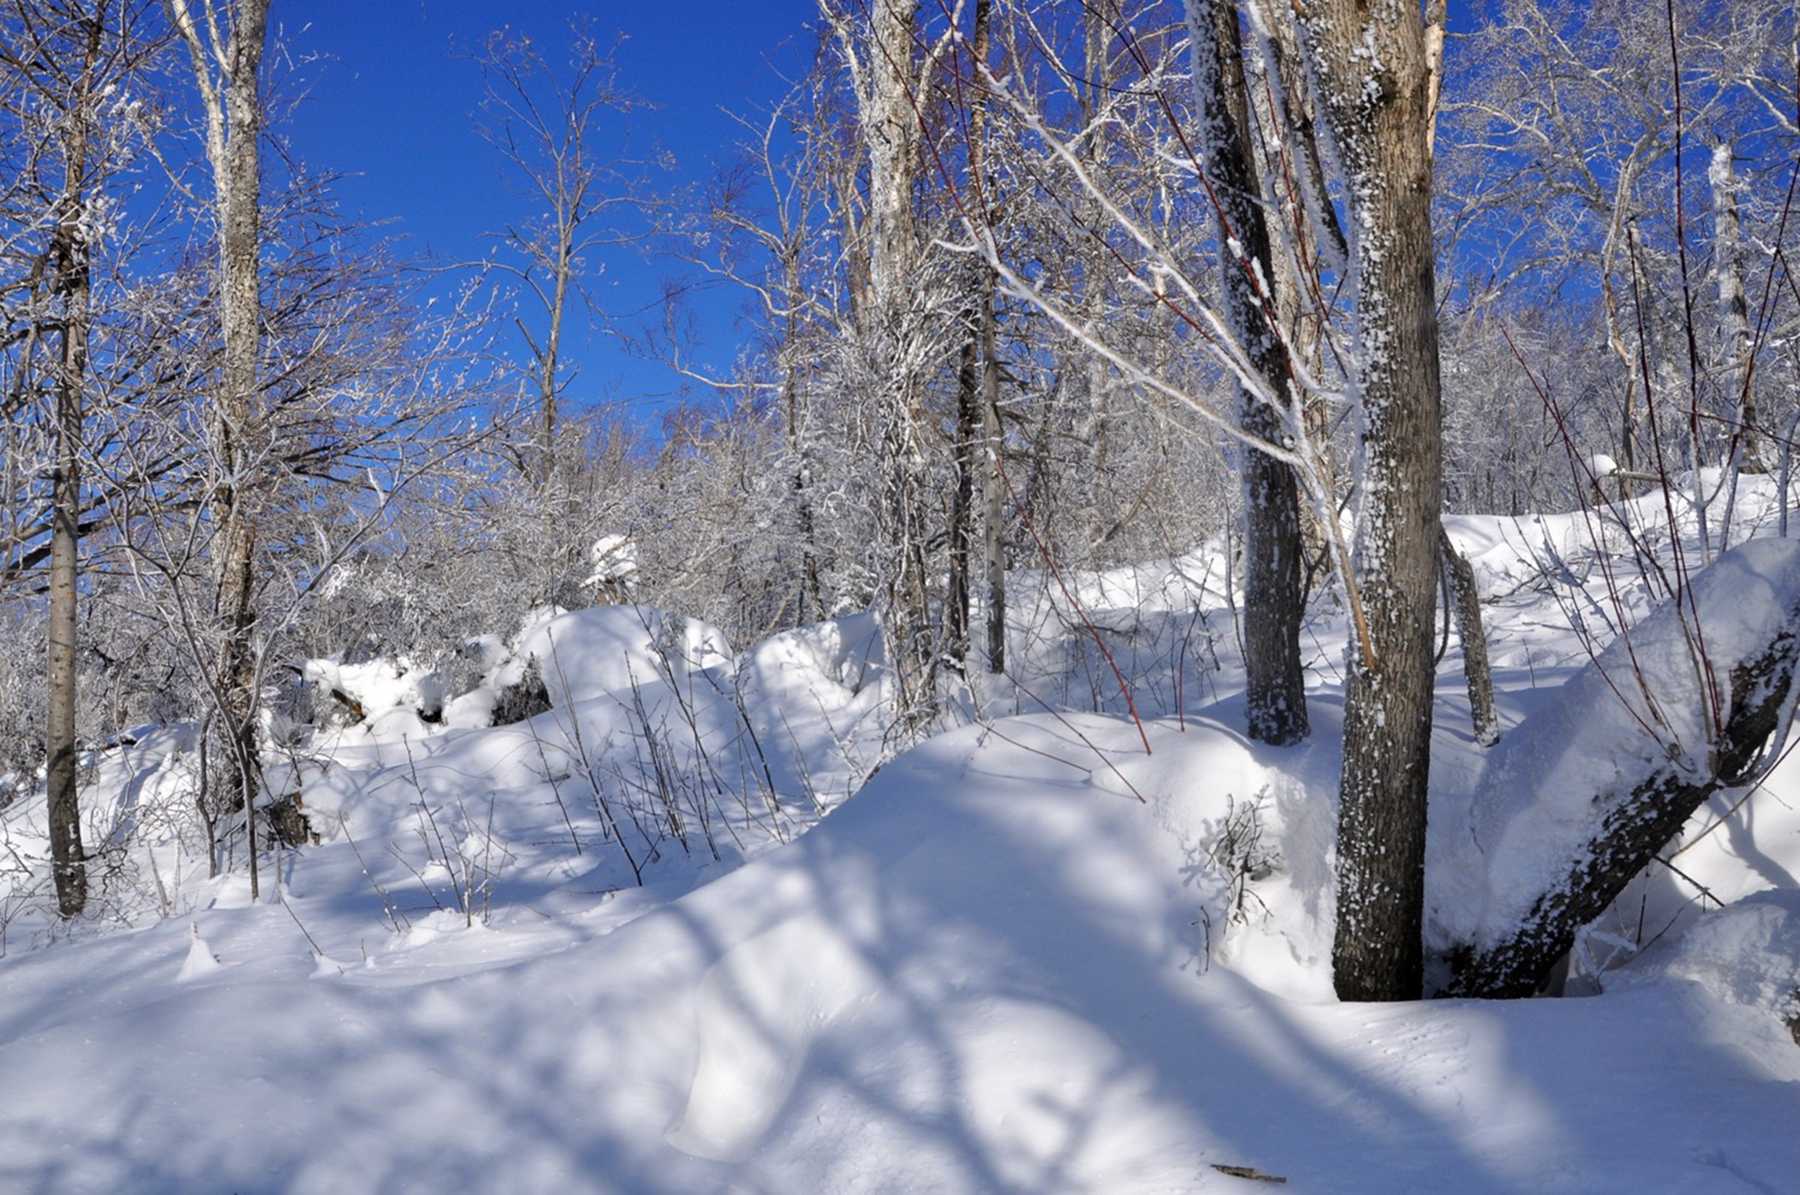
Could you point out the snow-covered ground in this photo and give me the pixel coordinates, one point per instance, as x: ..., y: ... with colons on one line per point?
x: 1024, y: 956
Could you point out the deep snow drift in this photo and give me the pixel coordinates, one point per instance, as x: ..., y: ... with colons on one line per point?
x: 1024, y: 956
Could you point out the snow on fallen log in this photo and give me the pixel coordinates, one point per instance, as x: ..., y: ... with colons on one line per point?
x: 1581, y: 795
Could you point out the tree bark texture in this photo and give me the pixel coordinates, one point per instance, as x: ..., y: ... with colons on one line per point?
x: 227, y: 76
x: 69, y: 260
x: 1368, y: 57
x: 1631, y: 832
x: 892, y: 338
x: 1465, y: 608
x: 1275, y: 681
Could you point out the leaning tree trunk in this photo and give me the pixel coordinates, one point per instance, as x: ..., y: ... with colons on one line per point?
x: 1275, y: 681
x: 1583, y: 794
x: 1369, y: 61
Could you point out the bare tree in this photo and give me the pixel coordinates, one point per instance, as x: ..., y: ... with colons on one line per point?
x: 896, y: 340
x: 549, y: 122
x: 1736, y: 343
x: 979, y: 439
x: 66, y: 61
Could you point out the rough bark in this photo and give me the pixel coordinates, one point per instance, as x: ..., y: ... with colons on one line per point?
x: 890, y: 331
x: 977, y: 422
x: 1092, y: 380
x: 811, y: 595
x: 69, y: 258
x: 1275, y: 680
x: 227, y: 77
x: 993, y: 547
x: 962, y: 502
x: 1465, y: 608
x: 1369, y: 62
x: 1294, y: 183
x: 1631, y: 832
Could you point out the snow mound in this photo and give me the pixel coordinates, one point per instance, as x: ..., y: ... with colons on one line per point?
x: 1747, y: 953
x: 382, y: 699
x: 590, y: 653
x: 200, y: 961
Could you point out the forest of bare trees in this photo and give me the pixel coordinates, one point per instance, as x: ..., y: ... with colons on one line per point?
x: 1027, y: 287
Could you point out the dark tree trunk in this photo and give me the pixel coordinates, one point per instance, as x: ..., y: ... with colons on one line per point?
x: 962, y: 503
x: 1275, y: 681
x: 1373, y: 82
x: 812, y: 601
x: 978, y: 422
x: 993, y: 547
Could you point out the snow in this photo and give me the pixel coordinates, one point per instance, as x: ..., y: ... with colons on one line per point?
x: 1745, y: 954
x: 398, y: 699
x: 200, y: 961
x: 985, y: 973
x: 1633, y: 712
x: 609, y: 649
x: 1023, y: 956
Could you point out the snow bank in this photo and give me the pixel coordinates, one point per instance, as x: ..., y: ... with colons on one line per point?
x: 382, y: 699
x: 990, y: 971
x: 590, y: 653
x: 1747, y: 953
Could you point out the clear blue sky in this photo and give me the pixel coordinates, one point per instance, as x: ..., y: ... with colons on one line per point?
x: 392, y: 100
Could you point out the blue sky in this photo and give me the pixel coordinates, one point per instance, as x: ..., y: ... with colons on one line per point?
x: 392, y: 97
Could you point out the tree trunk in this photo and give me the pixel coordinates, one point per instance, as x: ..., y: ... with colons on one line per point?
x: 233, y: 108
x: 1369, y: 60
x: 1631, y: 831
x: 1087, y: 424
x: 1734, y: 311
x: 811, y: 598
x: 891, y: 331
x: 69, y: 257
x: 1275, y: 681
x: 977, y: 419
x: 993, y: 547
x: 962, y: 502
x: 1465, y: 607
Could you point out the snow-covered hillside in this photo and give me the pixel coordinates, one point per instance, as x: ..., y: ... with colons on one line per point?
x: 1025, y: 955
